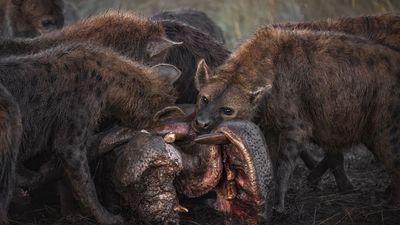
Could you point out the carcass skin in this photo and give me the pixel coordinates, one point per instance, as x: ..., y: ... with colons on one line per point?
x: 143, y: 175
x: 245, y: 189
x: 232, y: 161
x: 236, y: 168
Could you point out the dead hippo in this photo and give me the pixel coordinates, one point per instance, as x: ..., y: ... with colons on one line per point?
x: 233, y: 162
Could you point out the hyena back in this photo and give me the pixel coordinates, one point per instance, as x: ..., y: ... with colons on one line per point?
x: 194, y: 18
x: 382, y: 29
x: 335, y: 89
x: 65, y: 92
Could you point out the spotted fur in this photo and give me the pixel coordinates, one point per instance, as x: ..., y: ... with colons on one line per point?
x: 383, y: 29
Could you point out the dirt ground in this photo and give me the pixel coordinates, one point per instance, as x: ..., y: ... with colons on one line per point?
x: 306, y: 205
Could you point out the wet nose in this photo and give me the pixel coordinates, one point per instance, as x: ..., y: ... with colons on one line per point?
x: 202, y: 123
x: 49, y: 24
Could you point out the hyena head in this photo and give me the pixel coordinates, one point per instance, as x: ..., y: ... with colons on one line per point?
x: 146, y: 97
x: 225, y: 96
x: 38, y: 16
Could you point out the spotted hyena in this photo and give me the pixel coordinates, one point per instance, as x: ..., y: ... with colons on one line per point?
x: 30, y: 18
x: 133, y: 36
x: 382, y: 29
x: 194, y: 18
x: 334, y: 89
x: 65, y: 92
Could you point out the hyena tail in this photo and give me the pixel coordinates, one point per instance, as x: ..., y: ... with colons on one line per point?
x: 10, y: 135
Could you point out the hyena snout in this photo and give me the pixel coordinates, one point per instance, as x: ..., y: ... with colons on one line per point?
x: 205, y: 123
x: 202, y: 123
x: 50, y: 24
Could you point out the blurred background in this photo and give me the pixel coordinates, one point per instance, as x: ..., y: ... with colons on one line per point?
x: 239, y: 18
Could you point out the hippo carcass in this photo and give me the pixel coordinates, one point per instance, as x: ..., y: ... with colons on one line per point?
x: 232, y: 161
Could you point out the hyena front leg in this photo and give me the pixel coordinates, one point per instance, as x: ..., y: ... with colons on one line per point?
x: 386, y: 146
x: 318, y: 171
x: 110, y: 197
x: 335, y: 162
x: 308, y: 159
x: 290, y: 143
x: 10, y: 137
x: 71, y: 149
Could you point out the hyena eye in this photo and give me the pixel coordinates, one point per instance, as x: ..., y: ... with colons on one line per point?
x: 204, y: 100
x: 227, y: 111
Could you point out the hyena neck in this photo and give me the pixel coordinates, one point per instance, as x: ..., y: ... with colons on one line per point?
x: 247, y: 77
x: 252, y: 64
x: 123, y: 32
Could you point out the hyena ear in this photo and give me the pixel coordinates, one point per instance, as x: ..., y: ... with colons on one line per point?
x: 168, y: 113
x: 166, y: 72
x: 259, y: 92
x: 202, y: 74
x: 155, y: 48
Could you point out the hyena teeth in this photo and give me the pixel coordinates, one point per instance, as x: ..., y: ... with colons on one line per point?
x: 170, y: 138
x: 230, y: 174
x: 181, y: 209
x: 231, y: 191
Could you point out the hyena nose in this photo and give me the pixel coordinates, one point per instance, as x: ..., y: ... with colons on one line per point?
x: 49, y: 24
x: 202, y: 123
